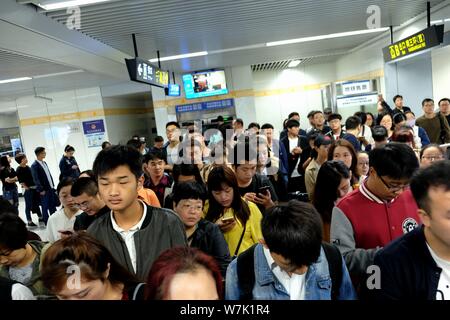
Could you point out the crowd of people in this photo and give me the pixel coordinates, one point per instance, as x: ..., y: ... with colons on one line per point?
x: 240, y: 214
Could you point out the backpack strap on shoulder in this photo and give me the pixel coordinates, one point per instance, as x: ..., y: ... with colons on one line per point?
x: 246, y: 273
x: 334, y: 259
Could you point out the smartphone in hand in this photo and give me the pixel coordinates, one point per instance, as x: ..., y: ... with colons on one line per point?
x: 263, y: 190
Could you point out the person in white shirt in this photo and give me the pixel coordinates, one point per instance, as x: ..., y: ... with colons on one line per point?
x: 61, y: 223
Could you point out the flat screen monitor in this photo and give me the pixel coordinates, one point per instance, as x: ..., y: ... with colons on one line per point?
x: 173, y: 90
x: 205, y: 84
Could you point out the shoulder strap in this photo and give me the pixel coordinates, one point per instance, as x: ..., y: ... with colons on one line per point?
x: 442, y: 126
x: 240, y: 240
x: 136, y: 291
x: 245, y: 265
x: 334, y: 259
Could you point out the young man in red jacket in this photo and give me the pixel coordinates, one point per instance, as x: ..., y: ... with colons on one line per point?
x: 380, y: 211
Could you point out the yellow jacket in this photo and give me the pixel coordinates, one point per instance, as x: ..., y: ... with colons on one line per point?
x: 252, y: 232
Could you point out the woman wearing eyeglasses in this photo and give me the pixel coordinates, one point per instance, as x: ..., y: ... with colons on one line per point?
x: 429, y: 154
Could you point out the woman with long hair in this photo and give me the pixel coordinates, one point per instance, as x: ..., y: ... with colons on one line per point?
x: 239, y: 220
x: 9, y: 178
x: 94, y: 273
x: 332, y: 184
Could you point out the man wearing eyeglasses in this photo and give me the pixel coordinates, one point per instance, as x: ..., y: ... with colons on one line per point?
x: 380, y: 211
x: 86, y: 197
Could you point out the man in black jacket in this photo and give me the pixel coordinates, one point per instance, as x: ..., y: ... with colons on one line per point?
x: 188, y: 201
x: 133, y: 232
x: 417, y: 265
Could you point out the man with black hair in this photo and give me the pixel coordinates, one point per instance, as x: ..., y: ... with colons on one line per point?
x: 290, y: 263
x: 292, y: 116
x: 188, y: 201
x: 171, y: 150
x: 134, y: 232
x: 244, y: 161
x: 155, y: 177
x: 321, y: 145
x: 380, y: 136
x: 86, y: 197
x: 44, y: 183
x: 336, y: 132
x: 381, y: 210
x: 26, y: 181
x: 238, y: 129
x: 444, y: 108
x: 158, y: 144
x: 253, y: 128
x: 137, y: 144
x: 398, y: 102
x: 353, y: 128
x: 20, y: 258
x: 318, y: 120
x: 435, y: 124
x: 294, y: 144
x: 417, y: 265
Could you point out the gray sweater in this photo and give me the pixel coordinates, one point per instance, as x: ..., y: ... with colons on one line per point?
x: 162, y: 229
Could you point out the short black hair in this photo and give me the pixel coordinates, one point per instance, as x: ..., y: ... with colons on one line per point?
x: 396, y: 97
x: 311, y: 113
x: 409, y: 111
x: 84, y: 185
x: 219, y: 118
x: 88, y: 172
x: 431, y: 145
x: 361, y: 115
x: 292, y: 123
x: 442, y: 100
x: 267, y: 126
x: 352, y: 123
x: 184, y: 169
x: 39, y: 150
x: 427, y: 100
x: 154, y: 155
x: 398, y: 117
x: 159, y: 139
x: 292, y: 114
x: 69, y: 148
x: 253, y: 125
x: 316, y: 112
x: 240, y: 121
x: 137, y: 144
x: 379, y: 133
x: 294, y: 231
x: 13, y: 232
x: 19, y: 157
x: 395, y: 160
x: 435, y: 175
x: 66, y: 181
x: 105, y: 144
x: 6, y: 206
x: 243, y: 151
x: 334, y: 116
x: 173, y: 123
x: 189, y: 190
x: 111, y: 158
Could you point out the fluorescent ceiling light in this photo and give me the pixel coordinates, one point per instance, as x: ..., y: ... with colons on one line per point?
x: 294, y: 63
x: 327, y: 36
x: 66, y: 4
x: 14, y: 80
x: 437, y: 21
x: 181, y: 56
x: 447, y: 20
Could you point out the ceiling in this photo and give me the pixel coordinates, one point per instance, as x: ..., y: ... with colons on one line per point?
x: 36, y: 43
x: 179, y: 26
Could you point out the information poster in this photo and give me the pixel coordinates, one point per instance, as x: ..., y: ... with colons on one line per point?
x: 94, y: 131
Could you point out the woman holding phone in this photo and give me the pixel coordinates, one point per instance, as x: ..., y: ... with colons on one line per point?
x: 239, y: 220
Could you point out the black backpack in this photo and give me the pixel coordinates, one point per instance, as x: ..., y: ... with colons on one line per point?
x: 246, y: 274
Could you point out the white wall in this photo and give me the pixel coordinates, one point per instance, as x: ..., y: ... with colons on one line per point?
x: 64, y: 128
x: 8, y: 120
x: 441, y: 73
x: 294, y: 95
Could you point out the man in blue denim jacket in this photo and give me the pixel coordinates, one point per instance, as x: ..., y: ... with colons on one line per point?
x: 290, y: 263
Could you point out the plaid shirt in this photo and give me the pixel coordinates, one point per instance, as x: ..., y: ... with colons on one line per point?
x: 160, y: 188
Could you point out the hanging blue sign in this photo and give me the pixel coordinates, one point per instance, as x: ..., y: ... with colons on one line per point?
x: 208, y: 105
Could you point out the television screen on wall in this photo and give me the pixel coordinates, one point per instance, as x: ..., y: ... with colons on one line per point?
x: 173, y: 90
x: 205, y: 84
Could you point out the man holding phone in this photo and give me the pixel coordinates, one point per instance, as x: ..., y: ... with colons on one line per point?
x: 252, y: 186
